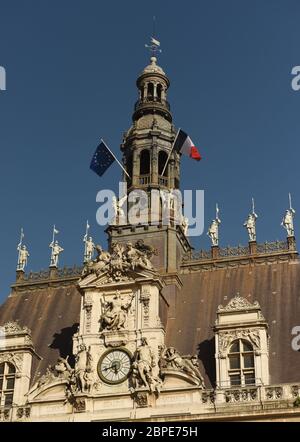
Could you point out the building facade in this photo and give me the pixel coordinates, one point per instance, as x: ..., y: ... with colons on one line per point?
x: 151, y: 330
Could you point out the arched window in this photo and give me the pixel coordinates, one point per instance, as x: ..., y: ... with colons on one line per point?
x: 159, y: 89
x: 241, y: 363
x: 7, y: 384
x: 162, y: 158
x: 145, y: 162
x: 129, y: 168
x: 150, y: 93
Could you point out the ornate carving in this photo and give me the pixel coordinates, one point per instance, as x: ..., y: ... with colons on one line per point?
x: 79, y: 405
x: 123, y: 258
x: 274, y: 392
x: 145, y: 299
x: 241, y: 395
x: 171, y: 359
x: 226, y: 337
x: 142, y: 370
x: 23, y: 412
x: 115, y: 313
x: 208, y: 397
x: 13, y: 328
x: 238, y: 303
x: 141, y: 399
x: 14, y: 358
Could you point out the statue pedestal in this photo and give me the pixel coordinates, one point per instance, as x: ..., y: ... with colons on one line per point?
x: 291, y: 243
x: 215, y: 252
x: 20, y: 275
x: 252, y: 247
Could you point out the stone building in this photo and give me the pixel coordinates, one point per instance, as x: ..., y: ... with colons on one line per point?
x: 150, y: 329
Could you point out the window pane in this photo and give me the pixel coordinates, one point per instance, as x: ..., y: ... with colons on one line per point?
x: 8, y: 399
x: 248, y: 360
x: 235, y: 379
x: 234, y: 362
x: 1, y: 368
x: 1, y: 383
x: 249, y: 378
x: 11, y: 368
x: 10, y: 383
x: 235, y: 347
x: 247, y: 346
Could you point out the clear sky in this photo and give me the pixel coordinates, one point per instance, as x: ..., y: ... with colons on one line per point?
x: 71, y: 68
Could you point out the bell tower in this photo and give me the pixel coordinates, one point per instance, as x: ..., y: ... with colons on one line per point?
x: 152, y: 167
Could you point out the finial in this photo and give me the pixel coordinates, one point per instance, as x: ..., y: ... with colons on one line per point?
x: 288, y: 219
x: 23, y: 253
x: 154, y: 44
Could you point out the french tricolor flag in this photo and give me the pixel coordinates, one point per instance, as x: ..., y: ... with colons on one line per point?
x: 185, y: 145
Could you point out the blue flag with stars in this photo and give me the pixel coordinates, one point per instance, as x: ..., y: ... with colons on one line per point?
x: 102, y: 159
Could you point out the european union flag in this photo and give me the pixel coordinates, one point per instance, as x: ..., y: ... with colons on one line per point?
x: 102, y: 159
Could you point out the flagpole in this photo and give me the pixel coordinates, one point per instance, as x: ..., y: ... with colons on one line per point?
x: 170, y: 153
x: 115, y: 158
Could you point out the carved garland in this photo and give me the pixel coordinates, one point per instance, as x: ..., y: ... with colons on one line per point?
x: 15, y: 359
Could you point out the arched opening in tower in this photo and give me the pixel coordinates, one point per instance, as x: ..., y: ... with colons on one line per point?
x: 162, y: 158
x: 145, y: 162
x: 150, y: 93
x: 159, y: 89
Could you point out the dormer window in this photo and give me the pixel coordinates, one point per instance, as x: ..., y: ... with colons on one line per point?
x: 7, y: 384
x: 241, y: 369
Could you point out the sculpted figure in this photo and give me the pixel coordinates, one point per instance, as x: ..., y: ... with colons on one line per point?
x: 172, y: 359
x: 23, y: 257
x: 250, y: 225
x: 63, y: 369
x: 213, y: 231
x: 142, y: 373
x: 83, y: 363
x: 89, y: 249
x: 115, y: 313
x: 56, y: 250
x: 288, y: 221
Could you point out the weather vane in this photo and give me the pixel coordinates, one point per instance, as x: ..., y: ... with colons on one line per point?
x: 154, y: 43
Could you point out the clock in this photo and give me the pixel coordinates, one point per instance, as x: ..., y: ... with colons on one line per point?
x: 114, y: 366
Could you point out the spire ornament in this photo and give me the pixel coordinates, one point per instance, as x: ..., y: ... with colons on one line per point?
x: 250, y: 223
x: 23, y: 253
x: 288, y: 219
x: 154, y: 46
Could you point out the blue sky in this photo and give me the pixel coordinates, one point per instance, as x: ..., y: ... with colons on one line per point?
x: 71, y: 69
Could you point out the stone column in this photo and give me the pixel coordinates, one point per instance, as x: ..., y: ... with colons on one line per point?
x: 154, y: 162
x: 135, y: 167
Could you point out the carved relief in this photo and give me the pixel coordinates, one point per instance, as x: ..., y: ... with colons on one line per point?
x: 14, y: 358
x: 171, y: 359
x: 115, y: 312
x: 123, y: 258
x: 12, y: 328
x: 226, y: 337
x: 238, y: 303
x: 145, y: 299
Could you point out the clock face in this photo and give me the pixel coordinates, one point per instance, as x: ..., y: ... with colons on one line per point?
x: 114, y: 366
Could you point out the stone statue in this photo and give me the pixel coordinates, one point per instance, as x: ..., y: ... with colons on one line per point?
x: 97, y: 266
x: 288, y: 219
x: 171, y: 359
x: 288, y: 222
x: 88, y: 249
x: 115, y: 313
x: 63, y: 369
x: 83, y: 362
x: 142, y: 369
x: 250, y: 223
x: 23, y: 257
x: 213, y: 231
x: 56, y: 250
x: 185, y: 224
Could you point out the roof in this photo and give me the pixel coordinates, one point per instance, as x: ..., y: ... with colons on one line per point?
x: 50, y: 308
